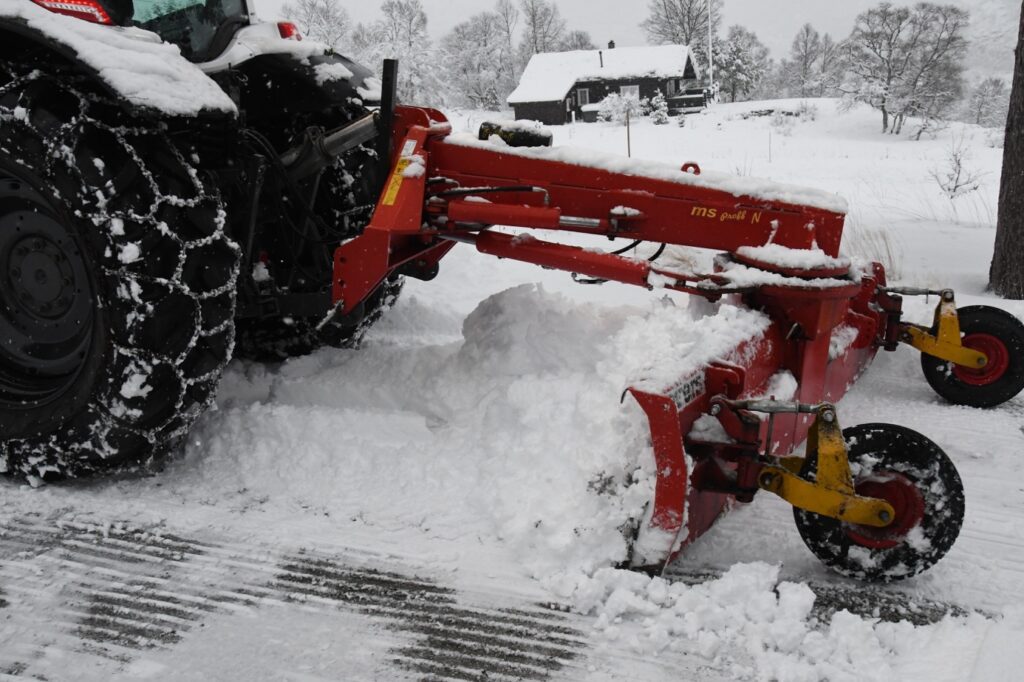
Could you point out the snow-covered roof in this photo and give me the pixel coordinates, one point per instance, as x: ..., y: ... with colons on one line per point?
x: 550, y: 75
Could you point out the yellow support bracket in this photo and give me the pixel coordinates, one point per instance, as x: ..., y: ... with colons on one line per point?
x: 832, y: 494
x: 945, y: 344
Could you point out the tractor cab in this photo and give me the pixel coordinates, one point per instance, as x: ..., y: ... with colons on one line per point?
x: 202, y: 29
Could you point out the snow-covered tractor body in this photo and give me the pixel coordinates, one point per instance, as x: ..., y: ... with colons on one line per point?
x: 158, y: 216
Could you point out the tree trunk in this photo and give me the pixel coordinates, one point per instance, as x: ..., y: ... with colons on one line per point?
x: 1006, y: 277
x: 885, y: 119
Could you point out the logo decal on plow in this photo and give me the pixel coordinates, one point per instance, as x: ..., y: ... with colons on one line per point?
x: 688, y: 390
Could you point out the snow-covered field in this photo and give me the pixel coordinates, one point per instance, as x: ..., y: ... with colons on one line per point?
x: 476, y: 449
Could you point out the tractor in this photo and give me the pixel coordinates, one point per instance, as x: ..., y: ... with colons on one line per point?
x: 182, y: 183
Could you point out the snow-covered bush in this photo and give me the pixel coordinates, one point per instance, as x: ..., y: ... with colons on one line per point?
x: 659, y: 109
x: 614, y: 107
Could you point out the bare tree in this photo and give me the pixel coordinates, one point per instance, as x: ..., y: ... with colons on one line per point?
x: 323, y: 20
x: 544, y: 27
x: 988, y: 103
x: 1006, y: 277
x: 907, y: 61
x: 683, y: 22
x: 578, y: 40
x: 803, y: 59
x: 508, y: 21
x: 830, y: 66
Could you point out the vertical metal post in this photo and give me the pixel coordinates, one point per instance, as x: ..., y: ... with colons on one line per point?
x: 629, y: 139
x: 711, y: 56
x: 388, y: 99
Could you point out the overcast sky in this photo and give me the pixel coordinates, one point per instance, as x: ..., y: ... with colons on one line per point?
x: 774, y: 21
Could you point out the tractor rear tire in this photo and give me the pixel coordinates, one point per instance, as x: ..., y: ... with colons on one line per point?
x: 117, y: 283
x: 998, y: 334
x: 914, y: 475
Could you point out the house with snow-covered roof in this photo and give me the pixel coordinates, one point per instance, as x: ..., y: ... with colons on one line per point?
x: 558, y: 85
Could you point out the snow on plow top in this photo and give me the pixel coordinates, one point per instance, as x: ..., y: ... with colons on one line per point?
x: 758, y: 188
x: 145, y: 71
x: 549, y: 76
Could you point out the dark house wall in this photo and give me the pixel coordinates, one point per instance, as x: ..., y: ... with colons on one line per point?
x: 560, y: 112
x: 548, y: 113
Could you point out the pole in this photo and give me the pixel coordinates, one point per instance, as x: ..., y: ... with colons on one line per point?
x: 629, y: 139
x: 711, y: 56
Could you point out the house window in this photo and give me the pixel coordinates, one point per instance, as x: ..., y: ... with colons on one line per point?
x: 630, y: 91
x: 583, y: 96
x: 670, y: 87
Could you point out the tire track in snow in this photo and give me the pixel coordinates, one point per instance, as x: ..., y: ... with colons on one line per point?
x: 109, y: 593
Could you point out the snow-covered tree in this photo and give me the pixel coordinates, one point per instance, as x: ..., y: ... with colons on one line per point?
x: 615, y: 107
x: 741, y: 63
x: 473, y: 53
x: 801, y: 67
x: 988, y: 103
x: 683, y: 22
x: 659, y: 109
x: 401, y: 34
x: 577, y: 40
x: 907, y: 61
x: 322, y: 20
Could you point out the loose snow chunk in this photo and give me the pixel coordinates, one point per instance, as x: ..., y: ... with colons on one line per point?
x: 129, y: 253
x: 784, y: 257
x: 842, y: 338
x: 371, y: 90
x: 626, y: 212
x: 135, y: 387
x: 756, y: 188
x: 417, y: 167
x: 326, y: 73
x: 148, y: 73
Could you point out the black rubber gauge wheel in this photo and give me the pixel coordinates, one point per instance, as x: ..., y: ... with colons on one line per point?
x: 117, y: 283
x: 1000, y: 336
x: 917, y: 478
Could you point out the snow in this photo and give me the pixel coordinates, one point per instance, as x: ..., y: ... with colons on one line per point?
x: 331, y: 71
x: 477, y: 437
x: 784, y: 257
x: 549, y: 76
x: 766, y: 190
x: 148, y: 74
x: 750, y: 623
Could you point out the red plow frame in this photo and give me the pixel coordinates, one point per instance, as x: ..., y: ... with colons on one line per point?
x: 444, y: 190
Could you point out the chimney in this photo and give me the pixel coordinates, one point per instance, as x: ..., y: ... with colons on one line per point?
x: 611, y: 44
x: 600, y: 55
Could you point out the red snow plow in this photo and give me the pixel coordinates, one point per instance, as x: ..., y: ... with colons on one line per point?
x: 874, y: 501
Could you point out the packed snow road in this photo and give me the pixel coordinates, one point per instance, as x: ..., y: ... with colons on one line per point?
x: 445, y: 502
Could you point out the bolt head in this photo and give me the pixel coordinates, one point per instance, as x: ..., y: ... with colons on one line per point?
x: 716, y: 410
x: 828, y: 416
x: 884, y: 516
